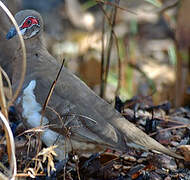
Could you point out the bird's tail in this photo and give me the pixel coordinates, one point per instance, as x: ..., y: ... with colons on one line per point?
x: 136, y: 138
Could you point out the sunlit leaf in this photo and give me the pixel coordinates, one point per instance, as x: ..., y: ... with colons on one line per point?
x: 89, y: 4
x: 155, y: 3
x: 172, y: 55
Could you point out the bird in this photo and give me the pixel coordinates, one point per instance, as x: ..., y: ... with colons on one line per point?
x: 90, y: 123
x: 6, y: 47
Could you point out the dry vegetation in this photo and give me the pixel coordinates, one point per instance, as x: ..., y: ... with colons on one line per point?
x: 126, y: 60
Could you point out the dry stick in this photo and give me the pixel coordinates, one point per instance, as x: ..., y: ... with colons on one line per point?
x: 64, y: 168
x: 77, y: 168
x: 117, y: 46
x: 109, y: 48
x: 13, y: 166
x: 119, y: 66
x: 103, y: 76
x: 115, y: 5
x: 2, y: 176
x: 51, y: 91
x: 63, y: 128
x: 35, y: 130
x: 165, y: 119
x: 28, y: 175
x: 175, y: 127
x: 4, y: 109
x: 10, y: 149
x: 8, y: 82
x: 167, y: 5
x: 66, y: 135
x: 57, y: 114
x: 2, y: 98
x: 47, y: 101
x: 102, y: 60
x: 5, y: 113
x: 4, y: 169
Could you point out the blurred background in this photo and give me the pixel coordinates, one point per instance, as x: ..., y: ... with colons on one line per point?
x: 127, y: 48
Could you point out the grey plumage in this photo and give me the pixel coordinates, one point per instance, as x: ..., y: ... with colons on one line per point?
x: 94, y: 123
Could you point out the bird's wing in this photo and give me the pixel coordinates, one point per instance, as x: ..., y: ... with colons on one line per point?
x: 77, y: 111
x: 102, y: 123
x: 112, y: 127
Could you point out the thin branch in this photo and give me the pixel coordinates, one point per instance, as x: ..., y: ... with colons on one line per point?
x: 47, y: 100
x: 112, y: 24
x: 13, y: 165
x: 170, y: 128
x: 116, y: 5
x: 102, y: 59
x: 51, y: 91
x: 8, y: 82
x: 3, y: 106
x: 117, y: 46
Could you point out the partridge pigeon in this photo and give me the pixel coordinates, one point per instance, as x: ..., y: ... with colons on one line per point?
x: 90, y: 123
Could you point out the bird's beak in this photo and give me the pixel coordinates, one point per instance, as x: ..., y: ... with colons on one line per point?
x: 12, y: 32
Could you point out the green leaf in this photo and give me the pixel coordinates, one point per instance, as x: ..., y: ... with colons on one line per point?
x: 155, y: 3
x: 172, y: 55
x: 88, y: 4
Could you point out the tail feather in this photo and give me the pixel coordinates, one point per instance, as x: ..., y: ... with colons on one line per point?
x: 156, y: 146
x: 138, y: 139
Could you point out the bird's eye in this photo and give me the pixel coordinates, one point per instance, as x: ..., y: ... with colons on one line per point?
x: 29, y: 21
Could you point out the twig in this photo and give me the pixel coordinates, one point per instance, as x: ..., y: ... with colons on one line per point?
x: 51, y: 91
x: 2, y: 176
x: 102, y: 59
x: 13, y: 166
x: 167, y: 5
x: 57, y: 114
x: 5, y: 113
x: 83, y: 116
x: 117, y: 46
x: 170, y: 128
x: 112, y: 24
x: 28, y: 175
x: 8, y: 82
x: 115, y: 5
x: 47, y: 101
x: 77, y: 168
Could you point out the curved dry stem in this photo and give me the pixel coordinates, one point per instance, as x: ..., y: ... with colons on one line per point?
x: 11, y: 141
x: 23, y: 52
x: 57, y: 114
x: 8, y: 82
x: 2, y: 176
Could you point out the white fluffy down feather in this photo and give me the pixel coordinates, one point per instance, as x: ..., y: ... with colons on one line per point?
x: 31, y: 111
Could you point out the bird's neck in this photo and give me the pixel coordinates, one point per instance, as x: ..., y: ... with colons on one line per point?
x: 33, y: 46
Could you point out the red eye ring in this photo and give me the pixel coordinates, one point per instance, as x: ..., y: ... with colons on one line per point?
x: 29, y: 21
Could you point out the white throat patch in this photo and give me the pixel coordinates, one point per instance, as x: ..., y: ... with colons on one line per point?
x: 31, y: 108
x: 23, y: 31
x: 31, y: 111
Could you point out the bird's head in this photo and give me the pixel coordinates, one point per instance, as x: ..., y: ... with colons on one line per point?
x: 30, y: 23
